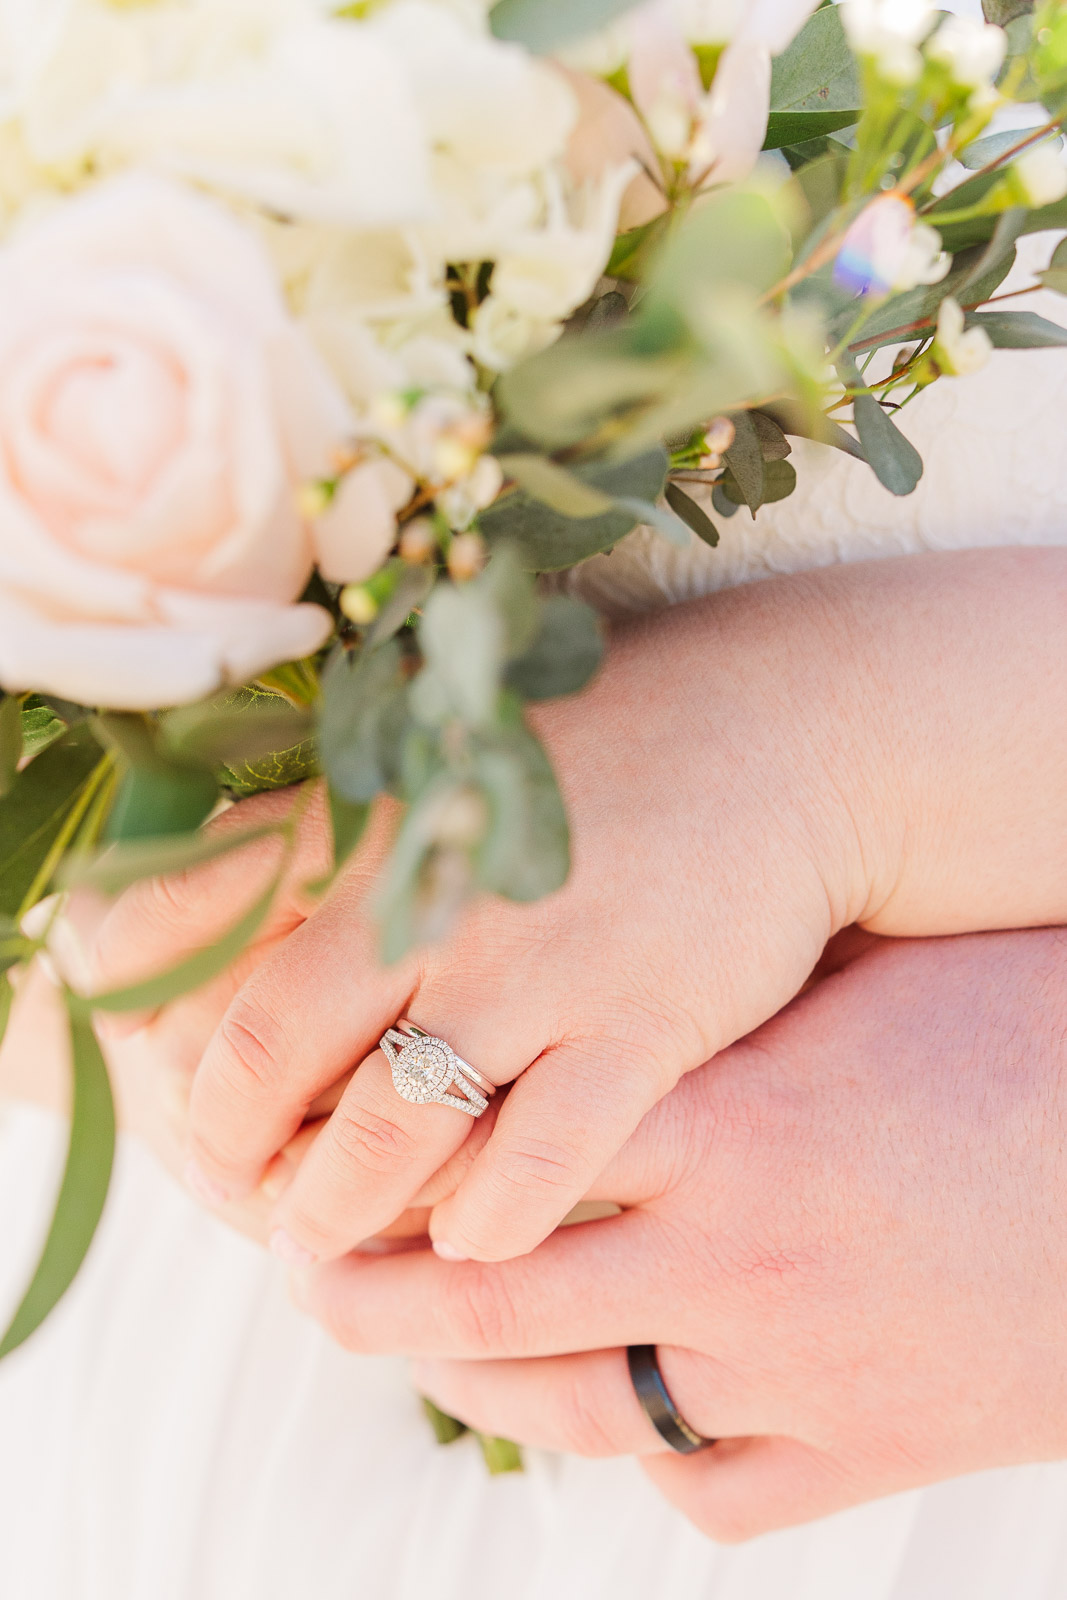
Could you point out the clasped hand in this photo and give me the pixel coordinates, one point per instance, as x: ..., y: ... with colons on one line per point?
x: 748, y: 775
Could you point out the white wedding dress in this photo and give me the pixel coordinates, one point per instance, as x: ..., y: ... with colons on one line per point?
x: 178, y: 1432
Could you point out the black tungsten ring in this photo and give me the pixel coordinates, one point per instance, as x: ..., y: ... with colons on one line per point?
x: 657, y: 1404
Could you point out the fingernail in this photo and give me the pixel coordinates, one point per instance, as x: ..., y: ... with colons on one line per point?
x: 277, y: 1178
x: 373, y: 1247
x: 286, y: 1249
x: 448, y: 1252
x: 205, y: 1188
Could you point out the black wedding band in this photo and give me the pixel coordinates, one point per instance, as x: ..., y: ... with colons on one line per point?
x: 657, y: 1404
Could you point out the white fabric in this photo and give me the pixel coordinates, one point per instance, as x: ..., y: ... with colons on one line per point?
x: 177, y: 1432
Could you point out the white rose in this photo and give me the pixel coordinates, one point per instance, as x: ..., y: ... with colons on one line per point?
x: 306, y: 114
x: 158, y: 412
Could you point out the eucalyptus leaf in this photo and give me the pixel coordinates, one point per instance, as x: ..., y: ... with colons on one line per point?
x: 348, y: 823
x: 693, y: 515
x: 544, y: 25
x: 551, y: 541
x: 1019, y: 330
x: 554, y: 486
x: 35, y: 809
x: 722, y: 503
x: 565, y: 654
x: 660, y: 517
x: 797, y: 127
x: 526, y: 852
x: 780, y: 480
x: 991, y: 148
x: 635, y: 249
x: 10, y: 742
x: 86, y: 1179
x: 361, y: 721
x: 462, y: 638
x: 818, y: 70
x: 896, y: 462
x: 999, y: 252
x: 745, y: 461
x: 1001, y: 12
x: 407, y: 598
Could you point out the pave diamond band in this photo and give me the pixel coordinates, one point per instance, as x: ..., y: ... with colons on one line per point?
x: 425, y: 1069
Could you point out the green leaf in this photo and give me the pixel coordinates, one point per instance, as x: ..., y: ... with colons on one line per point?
x: 694, y: 516
x: 462, y: 639
x: 348, y: 822
x: 734, y: 236
x: 1001, y: 12
x: 659, y: 517
x: 408, y: 597
x: 1019, y: 330
x: 195, y: 971
x: 501, y: 1455
x: 745, y: 461
x: 635, y: 249
x: 446, y: 1429
x: 779, y: 482
x: 526, y: 852
x: 159, y: 795
x: 40, y: 727
x: 234, y: 730
x: 721, y: 501
x: 10, y: 742
x: 363, y: 713
x: 117, y: 868
x: 565, y: 654
x: 797, y: 127
x: 896, y: 462
x: 999, y: 252
x: 555, y: 486
x: 818, y: 70
x: 83, y: 1192
x: 544, y: 25
x: 34, y: 811
x: 991, y: 148
x: 551, y: 541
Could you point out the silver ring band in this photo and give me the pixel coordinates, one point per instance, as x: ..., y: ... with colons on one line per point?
x: 425, y: 1069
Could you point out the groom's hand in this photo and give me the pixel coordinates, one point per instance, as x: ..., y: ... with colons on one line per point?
x: 847, y: 1235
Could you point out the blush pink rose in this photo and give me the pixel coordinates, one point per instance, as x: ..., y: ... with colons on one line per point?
x: 159, y: 410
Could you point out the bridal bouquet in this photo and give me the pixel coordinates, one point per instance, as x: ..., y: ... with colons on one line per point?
x: 326, y: 329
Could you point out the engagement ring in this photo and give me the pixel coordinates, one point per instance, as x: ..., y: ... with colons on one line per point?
x: 425, y: 1069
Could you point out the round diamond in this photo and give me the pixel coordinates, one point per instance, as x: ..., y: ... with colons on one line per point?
x: 423, y: 1069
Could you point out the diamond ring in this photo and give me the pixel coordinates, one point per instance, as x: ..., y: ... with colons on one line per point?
x: 425, y: 1069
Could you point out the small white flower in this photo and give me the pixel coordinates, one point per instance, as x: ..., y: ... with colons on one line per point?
x: 887, y: 252
x: 957, y: 352
x: 503, y: 334
x: 972, y: 51
x: 888, y: 32
x: 1040, y: 175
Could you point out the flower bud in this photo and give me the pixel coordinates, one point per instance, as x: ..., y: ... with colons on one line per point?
x: 358, y: 604
x: 467, y: 556
x: 720, y: 436
x: 418, y: 541
x: 313, y: 500
x: 955, y: 352
x: 1039, y: 177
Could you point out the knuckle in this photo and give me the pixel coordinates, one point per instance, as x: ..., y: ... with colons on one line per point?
x: 481, y: 1315
x: 253, y: 1046
x: 363, y: 1138
x: 530, y: 1167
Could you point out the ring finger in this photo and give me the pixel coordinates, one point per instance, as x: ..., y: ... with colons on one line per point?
x: 585, y: 1404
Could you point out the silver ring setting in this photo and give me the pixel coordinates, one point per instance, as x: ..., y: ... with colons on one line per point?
x: 425, y: 1070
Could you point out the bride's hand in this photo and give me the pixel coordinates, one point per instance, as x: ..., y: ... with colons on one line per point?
x: 847, y: 1237
x: 876, y: 744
